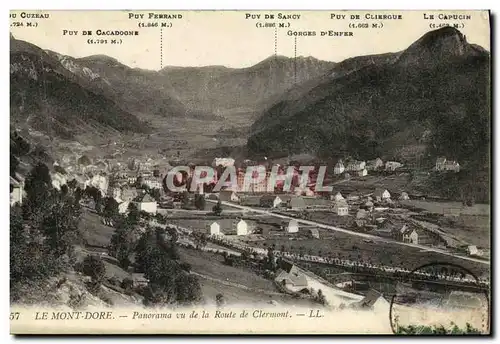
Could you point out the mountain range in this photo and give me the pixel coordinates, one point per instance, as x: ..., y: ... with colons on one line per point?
x: 430, y: 99
x: 63, y: 96
x: 46, y: 96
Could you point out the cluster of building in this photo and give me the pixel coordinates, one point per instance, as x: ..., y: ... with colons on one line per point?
x: 361, y: 168
x: 442, y: 164
x: 337, y: 203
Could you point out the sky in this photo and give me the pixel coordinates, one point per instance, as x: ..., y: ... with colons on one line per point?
x: 228, y: 38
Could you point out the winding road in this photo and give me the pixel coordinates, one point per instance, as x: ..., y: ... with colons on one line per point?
x: 346, y: 231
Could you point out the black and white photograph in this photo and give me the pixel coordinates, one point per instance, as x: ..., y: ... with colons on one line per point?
x: 250, y: 172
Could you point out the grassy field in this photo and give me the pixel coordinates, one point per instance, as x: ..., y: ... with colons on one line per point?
x: 238, y: 296
x: 442, y: 207
x: 472, y: 226
x: 475, y: 230
x: 237, y: 284
x: 365, y: 185
x: 94, y: 231
x: 213, y: 266
x: 350, y: 247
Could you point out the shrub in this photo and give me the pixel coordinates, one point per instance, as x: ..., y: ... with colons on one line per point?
x: 114, y: 281
x: 94, y: 267
x: 127, y: 284
x: 76, y: 301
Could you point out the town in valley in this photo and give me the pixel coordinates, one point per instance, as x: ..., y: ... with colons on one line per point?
x: 91, y: 205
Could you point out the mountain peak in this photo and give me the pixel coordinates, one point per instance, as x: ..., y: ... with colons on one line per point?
x: 437, y: 45
x: 100, y: 59
x: 447, y: 37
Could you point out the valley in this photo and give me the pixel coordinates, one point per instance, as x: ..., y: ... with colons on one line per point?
x: 399, y: 141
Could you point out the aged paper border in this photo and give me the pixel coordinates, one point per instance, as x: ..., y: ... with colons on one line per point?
x: 282, y: 7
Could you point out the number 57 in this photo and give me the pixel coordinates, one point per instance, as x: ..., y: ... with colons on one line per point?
x: 14, y: 316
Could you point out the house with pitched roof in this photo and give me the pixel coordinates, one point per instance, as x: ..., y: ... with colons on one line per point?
x: 313, y: 233
x: 363, y: 173
x: 339, y: 168
x: 381, y: 194
x: 228, y: 196
x: 340, y: 207
x: 440, y: 162
x: 270, y: 201
x: 355, y: 166
x: 215, y: 229
x: 16, y: 191
x: 337, y: 197
x: 242, y: 228
x: 146, y: 203
x: 392, y: 165
x: 404, y: 196
x: 290, y: 277
x: 374, y: 165
x: 372, y: 300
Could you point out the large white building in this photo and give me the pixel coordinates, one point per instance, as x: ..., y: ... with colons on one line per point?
x: 341, y: 207
x: 293, y: 226
x: 147, y: 204
x: 242, y: 228
x: 215, y: 229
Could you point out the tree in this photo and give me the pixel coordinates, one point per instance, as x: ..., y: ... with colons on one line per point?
x: 94, y: 267
x: 30, y: 261
x: 78, y: 194
x: 219, y: 300
x: 200, y: 239
x: 217, y: 209
x: 123, y: 243
x: 199, y: 201
x: 42, y: 233
x: 64, y: 189
x: 84, y: 160
x: 134, y: 215
x: 60, y: 223
x: 72, y: 184
x: 14, y: 164
x: 168, y: 282
x: 155, y: 193
x: 38, y: 184
x: 321, y: 297
x: 185, y: 199
x: 127, y: 284
x: 110, y: 209
x: 271, y: 260
x: 174, y: 235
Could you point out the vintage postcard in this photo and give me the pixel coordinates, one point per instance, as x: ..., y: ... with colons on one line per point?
x: 250, y: 172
